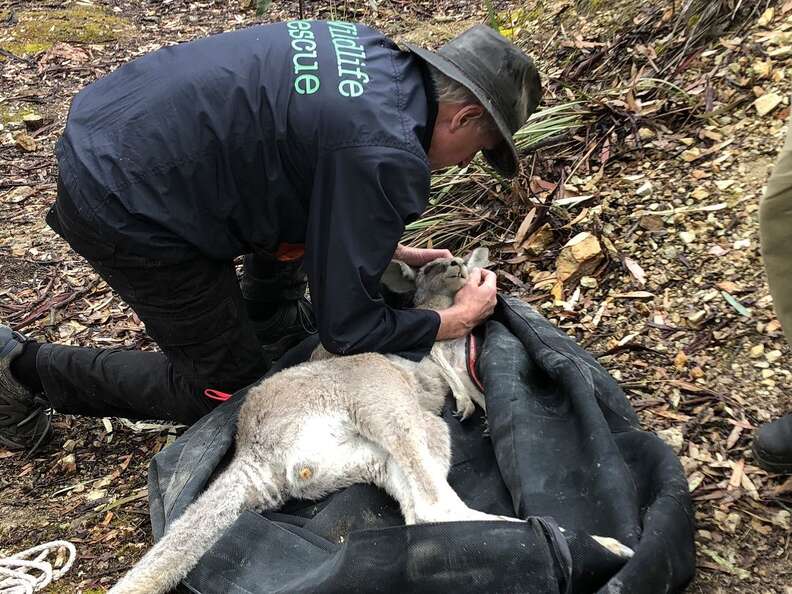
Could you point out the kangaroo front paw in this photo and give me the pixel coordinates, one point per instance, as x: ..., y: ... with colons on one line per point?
x: 614, y: 546
x: 465, y: 408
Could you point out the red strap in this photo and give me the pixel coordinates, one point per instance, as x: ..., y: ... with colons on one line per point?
x: 289, y: 252
x: 216, y: 394
x: 471, y: 347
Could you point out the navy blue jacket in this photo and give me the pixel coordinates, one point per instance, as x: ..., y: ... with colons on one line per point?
x: 308, y: 132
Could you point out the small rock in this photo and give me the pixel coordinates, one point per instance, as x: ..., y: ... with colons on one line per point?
x: 588, y: 282
x: 673, y: 437
x: 773, y: 356
x: 697, y: 316
x: 691, y: 155
x: 756, y: 351
x: 767, y: 103
x: 704, y: 534
x: 762, y: 68
x: 741, y: 244
x: 687, y: 236
x: 69, y: 463
x: 717, y: 250
x: 772, y: 326
x: 680, y: 360
x: 767, y: 373
x: 32, y: 121
x: 782, y: 519
x: 697, y: 373
x: 579, y: 257
x: 699, y: 194
x: 646, y: 133
x: 724, y: 184
x: 645, y: 189
x: 652, y: 223
x: 69, y: 445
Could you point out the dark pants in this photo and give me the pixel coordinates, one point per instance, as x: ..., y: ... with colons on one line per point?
x: 194, y: 310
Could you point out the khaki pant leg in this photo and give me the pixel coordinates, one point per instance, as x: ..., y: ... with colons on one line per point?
x: 775, y: 229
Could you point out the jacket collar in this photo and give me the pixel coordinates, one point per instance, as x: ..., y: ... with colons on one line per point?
x: 431, y: 106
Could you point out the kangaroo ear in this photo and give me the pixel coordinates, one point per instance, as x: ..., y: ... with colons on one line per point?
x: 478, y: 258
x: 398, y: 284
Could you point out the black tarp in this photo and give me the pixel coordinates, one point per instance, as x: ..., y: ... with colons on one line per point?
x: 561, y: 446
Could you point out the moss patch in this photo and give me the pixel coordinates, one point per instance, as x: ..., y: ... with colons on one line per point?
x: 39, y: 30
x: 10, y: 114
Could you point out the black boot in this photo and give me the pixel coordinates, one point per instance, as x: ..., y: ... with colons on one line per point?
x: 288, y: 324
x: 24, y: 416
x: 772, y: 446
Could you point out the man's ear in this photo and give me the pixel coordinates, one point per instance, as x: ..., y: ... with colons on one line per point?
x: 467, y: 114
x: 478, y: 258
x: 398, y: 280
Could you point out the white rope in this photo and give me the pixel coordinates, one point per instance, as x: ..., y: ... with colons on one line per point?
x: 15, y: 571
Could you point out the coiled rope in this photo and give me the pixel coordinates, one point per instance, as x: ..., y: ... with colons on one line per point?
x: 29, y: 571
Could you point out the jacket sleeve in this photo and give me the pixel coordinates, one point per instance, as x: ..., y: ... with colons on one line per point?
x: 362, y: 198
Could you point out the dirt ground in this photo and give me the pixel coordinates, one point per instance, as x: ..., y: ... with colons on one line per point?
x: 690, y: 333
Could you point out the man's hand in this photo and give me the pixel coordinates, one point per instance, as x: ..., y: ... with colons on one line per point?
x: 473, y: 304
x: 417, y: 257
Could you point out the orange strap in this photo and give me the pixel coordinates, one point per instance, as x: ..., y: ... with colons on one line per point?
x: 290, y: 252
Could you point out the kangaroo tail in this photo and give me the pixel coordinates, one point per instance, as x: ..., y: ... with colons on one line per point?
x: 242, y: 486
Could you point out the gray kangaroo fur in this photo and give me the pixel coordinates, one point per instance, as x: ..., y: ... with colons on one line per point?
x: 326, y: 424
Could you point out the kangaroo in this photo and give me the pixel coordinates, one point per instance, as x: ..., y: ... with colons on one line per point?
x: 326, y: 424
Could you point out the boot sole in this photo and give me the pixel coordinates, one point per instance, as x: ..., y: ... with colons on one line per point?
x: 769, y: 465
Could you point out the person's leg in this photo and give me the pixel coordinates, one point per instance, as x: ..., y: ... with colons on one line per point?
x: 773, y: 442
x: 775, y: 230
x: 273, y: 289
x: 194, y: 312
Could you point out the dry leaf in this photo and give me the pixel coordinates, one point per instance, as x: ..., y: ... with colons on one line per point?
x: 25, y: 142
x: 18, y: 194
x: 539, y: 240
x: 737, y: 474
x: 524, y: 226
x: 635, y: 270
x: 728, y: 286
x: 733, y: 437
x: 767, y: 17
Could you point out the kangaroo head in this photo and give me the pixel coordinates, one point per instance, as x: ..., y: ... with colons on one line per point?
x: 434, y: 284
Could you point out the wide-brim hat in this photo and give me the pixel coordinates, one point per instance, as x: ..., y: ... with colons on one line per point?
x: 502, y: 78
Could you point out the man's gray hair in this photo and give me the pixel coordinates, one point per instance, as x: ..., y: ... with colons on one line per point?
x: 450, y: 91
